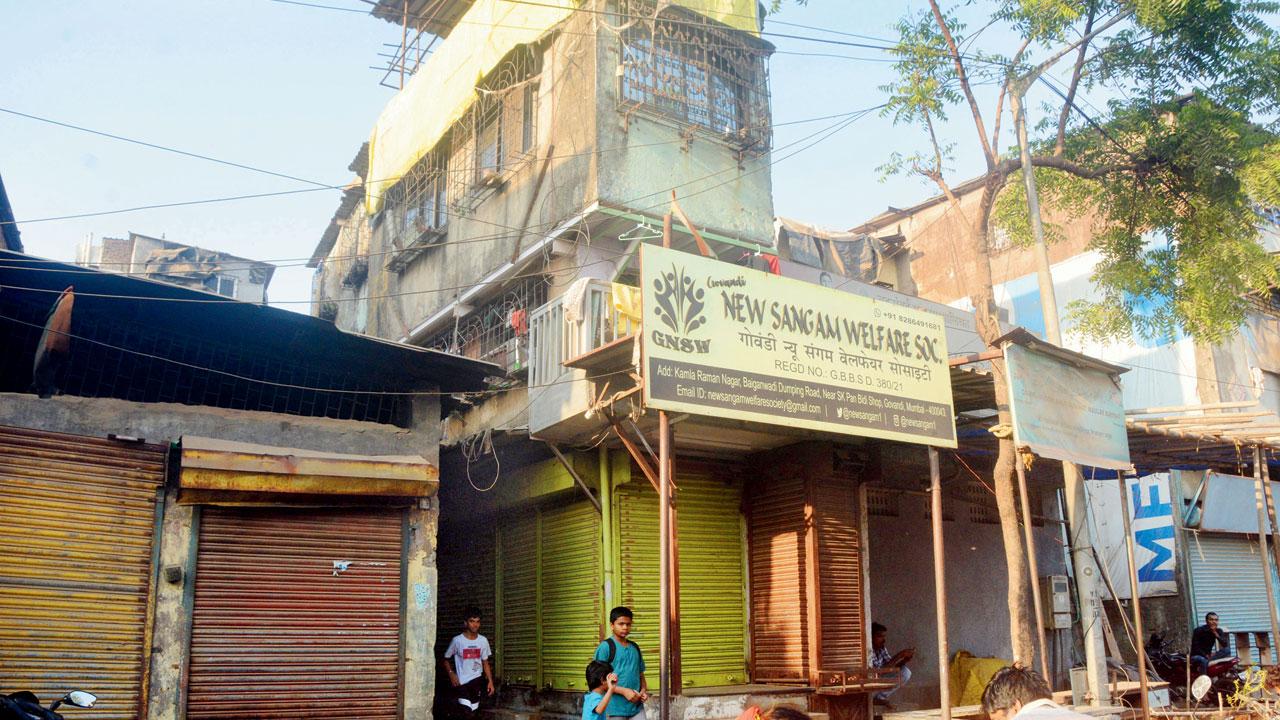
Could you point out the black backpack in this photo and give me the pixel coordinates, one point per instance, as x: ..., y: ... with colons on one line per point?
x: 613, y: 649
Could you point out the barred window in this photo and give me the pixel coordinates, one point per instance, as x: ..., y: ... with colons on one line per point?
x: 697, y: 73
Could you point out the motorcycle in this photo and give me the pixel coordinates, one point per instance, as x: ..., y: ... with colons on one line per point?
x: 25, y: 705
x: 1220, y: 677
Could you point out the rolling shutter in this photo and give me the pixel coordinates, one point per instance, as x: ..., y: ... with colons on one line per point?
x: 518, y: 642
x: 779, y: 624
x: 77, y: 526
x: 1226, y: 578
x: 840, y: 574
x: 712, y: 578
x: 466, y: 563
x: 713, y: 623
x: 571, y: 593
x: 297, y: 614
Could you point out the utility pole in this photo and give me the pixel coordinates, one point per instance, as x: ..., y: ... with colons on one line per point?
x: 1086, y: 574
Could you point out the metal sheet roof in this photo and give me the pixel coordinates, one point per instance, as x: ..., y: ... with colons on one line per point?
x: 157, y: 320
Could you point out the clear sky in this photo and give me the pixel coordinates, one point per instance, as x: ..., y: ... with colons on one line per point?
x: 288, y: 88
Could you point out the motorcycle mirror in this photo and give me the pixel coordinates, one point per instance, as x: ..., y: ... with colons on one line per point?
x: 1200, y: 687
x: 80, y: 698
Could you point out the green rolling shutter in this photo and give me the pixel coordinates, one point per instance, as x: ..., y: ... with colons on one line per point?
x: 571, y: 593
x: 518, y: 640
x: 712, y: 578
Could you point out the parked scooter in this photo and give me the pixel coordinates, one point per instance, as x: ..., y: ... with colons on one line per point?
x: 26, y: 706
x: 1221, y: 675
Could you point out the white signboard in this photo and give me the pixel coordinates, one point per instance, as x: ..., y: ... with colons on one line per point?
x: 1150, y: 506
x: 1066, y: 412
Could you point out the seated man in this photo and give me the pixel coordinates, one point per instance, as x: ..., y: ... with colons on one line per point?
x: 897, y: 664
x: 1209, y: 642
x: 1016, y: 693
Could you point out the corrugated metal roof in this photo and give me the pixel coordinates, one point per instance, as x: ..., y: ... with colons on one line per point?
x: 265, y: 335
x: 437, y: 17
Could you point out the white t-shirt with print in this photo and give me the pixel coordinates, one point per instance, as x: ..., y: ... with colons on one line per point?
x: 468, y: 656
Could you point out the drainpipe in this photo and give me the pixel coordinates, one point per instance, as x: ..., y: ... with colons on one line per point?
x: 606, y: 527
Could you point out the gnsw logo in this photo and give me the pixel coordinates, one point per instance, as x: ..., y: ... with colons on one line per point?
x: 679, y: 305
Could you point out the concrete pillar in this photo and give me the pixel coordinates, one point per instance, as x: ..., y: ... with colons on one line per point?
x: 421, y: 584
x: 171, y: 631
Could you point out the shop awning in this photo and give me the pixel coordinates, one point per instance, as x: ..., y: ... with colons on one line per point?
x: 224, y: 466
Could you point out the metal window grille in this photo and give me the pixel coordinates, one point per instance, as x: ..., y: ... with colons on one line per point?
x: 486, y: 332
x: 698, y: 73
x: 882, y: 502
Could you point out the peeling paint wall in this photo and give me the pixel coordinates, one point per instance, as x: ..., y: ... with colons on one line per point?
x: 172, y: 625
x: 420, y: 605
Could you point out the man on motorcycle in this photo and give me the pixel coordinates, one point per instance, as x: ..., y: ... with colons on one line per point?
x: 1209, y: 642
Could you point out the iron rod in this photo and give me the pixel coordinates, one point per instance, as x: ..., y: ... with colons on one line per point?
x: 1263, y: 531
x: 664, y: 568
x: 1139, y: 642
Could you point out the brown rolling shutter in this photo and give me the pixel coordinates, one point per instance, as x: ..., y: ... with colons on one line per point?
x: 77, y: 525
x: 776, y: 539
x: 297, y: 614
x: 840, y: 574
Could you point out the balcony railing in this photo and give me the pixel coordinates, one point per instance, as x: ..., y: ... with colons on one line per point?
x: 557, y: 393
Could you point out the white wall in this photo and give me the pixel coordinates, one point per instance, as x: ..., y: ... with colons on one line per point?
x: 902, y: 590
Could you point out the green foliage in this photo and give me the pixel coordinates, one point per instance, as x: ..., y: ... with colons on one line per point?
x: 1175, y: 179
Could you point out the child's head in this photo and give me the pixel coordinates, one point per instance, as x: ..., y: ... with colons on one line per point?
x: 471, y: 619
x: 620, y: 621
x: 597, y: 674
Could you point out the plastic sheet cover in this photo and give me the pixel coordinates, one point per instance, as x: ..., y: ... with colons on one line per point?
x: 441, y: 91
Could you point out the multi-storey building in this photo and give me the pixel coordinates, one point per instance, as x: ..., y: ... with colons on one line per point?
x: 187, y: 265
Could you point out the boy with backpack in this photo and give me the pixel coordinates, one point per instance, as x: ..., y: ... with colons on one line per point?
x: 624, y: 656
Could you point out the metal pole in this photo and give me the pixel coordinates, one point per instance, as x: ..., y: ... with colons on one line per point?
x: 1139, y: 643
x: 1263, y: 530
x: 1081, y: 544
x: 1086, y: 577
x: 664, y: 569
x: 606, y: 527
x: 940, y: 584
x: 1271, y: 513
x: 1034, y: 567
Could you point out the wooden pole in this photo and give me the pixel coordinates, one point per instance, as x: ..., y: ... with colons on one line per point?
x: 664, y: 568
x: 1263, y: 532
x: 1034, y: 568
x: 1275, y: 526
x: 940, y: 585
x: 1139, y: 642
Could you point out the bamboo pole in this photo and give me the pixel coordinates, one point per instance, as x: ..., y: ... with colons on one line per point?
x: 940, y: 585
x: 1263, y: 532
x: 1033, y: 568
x: 1139, y: 642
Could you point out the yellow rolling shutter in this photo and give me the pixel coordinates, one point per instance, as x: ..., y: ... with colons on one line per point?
x: 571, y: 593
x: 518, y: 642
x: 712, y: 577
x: 77, y: 525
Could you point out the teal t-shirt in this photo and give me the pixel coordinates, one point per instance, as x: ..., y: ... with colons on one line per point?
x: 589, y: 704
x: 628, y: 663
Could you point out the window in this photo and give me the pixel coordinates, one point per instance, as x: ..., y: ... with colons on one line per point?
x: 224, y: 285
x: 697, y: 73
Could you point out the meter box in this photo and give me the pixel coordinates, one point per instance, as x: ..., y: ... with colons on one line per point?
x: 1055, y: 597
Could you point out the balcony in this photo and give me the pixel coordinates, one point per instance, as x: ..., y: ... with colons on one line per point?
x: 564, y: 353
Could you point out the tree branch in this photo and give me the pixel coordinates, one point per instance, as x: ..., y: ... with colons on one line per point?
x: 1004, y: 90
x: 1085, y: 39
x: 1013, y: 164
x: 1060, y: 144
x: 964, y: 82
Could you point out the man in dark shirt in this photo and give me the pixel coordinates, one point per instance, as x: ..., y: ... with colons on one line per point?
x: 1208, y: 642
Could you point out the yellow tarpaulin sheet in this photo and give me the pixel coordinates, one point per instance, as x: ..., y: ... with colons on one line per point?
x: 442, y: 90
x: 969, y: 676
